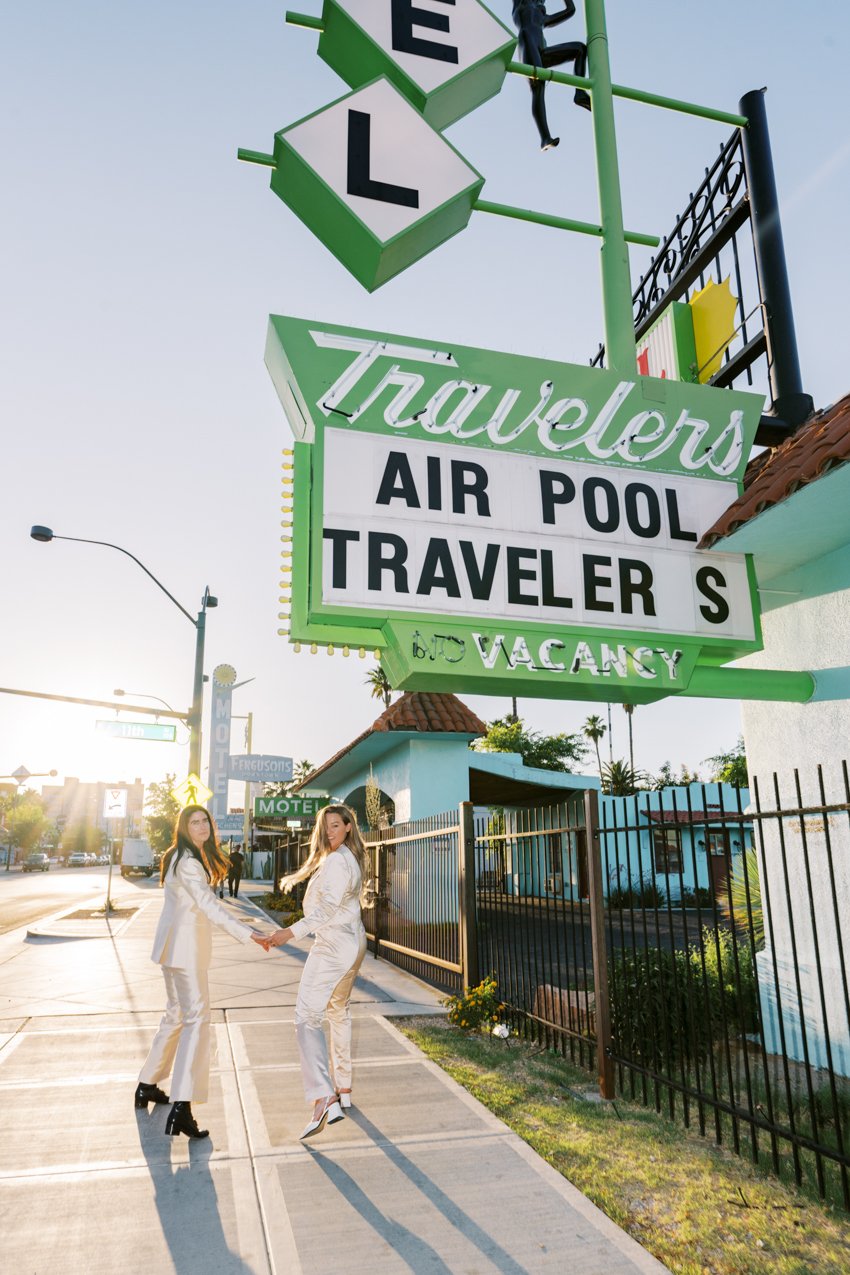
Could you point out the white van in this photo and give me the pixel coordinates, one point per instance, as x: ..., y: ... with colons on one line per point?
x: 136, y: 858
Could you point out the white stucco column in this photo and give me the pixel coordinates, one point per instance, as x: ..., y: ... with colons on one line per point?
x: 781, y: 739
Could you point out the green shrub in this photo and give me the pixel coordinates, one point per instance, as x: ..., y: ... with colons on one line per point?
x: 668, y: 1007
x: 279, y: 903
x: 695, y: 897
x: 645, y: 893
x: 477, y: 1007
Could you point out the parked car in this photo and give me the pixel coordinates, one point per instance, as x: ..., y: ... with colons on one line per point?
x: 36, y: 862
x: 79, y: 859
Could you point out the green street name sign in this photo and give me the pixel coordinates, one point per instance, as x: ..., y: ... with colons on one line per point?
x: 503, y: 524
x: 139, y: 730
x: 288, y: 807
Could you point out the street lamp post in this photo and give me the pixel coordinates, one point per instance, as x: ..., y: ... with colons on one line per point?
x: 45, y: 535
x: 20, y: 777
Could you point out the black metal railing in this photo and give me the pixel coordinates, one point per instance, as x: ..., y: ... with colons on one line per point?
x: 726, y: 919
x: 415, y: 913
x: 533, y: 921
x: 711, y: 237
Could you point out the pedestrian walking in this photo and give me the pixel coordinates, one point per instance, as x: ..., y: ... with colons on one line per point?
x: 183, y: 947
x: 234, y: 872
x: 336, y: 867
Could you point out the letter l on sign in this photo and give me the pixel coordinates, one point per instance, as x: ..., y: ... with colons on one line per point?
x: 359, y: 163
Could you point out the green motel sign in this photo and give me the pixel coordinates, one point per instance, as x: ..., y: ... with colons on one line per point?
x: 499, y: 524
x: 288, y: 807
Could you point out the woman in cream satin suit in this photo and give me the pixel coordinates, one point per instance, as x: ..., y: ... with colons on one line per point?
x: 183, y: 947
x: 332, y: 913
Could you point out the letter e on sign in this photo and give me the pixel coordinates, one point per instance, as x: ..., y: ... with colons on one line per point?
x: 446, y: 57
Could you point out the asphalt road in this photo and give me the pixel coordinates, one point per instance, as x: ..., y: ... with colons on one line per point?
x: 26, y: 897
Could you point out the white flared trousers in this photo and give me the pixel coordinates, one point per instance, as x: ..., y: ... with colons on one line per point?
x: 182, y: 1043
x: 325, y: 989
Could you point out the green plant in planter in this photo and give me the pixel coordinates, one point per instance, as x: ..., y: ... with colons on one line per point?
x: 280, y: 903
x: 478, y: 1006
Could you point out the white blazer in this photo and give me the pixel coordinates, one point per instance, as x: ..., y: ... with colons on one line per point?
x: 332, y: 901
x: 183, y: 937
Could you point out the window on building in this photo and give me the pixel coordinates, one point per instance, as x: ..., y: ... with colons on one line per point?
x: 716, y: 843
x: 555, y: 852
x: 667, y: 850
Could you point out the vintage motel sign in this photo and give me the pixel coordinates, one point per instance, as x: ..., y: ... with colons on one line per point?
x: 288, y: 807
x: 508, y: 525
x: 260, y: 768
x: 446, y: 59
x: 374, y: 181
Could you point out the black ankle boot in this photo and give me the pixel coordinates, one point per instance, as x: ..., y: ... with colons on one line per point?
x: 148, y: 1093
x: 181, y: 1120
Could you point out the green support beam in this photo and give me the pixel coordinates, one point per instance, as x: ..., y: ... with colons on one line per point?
x: 756, y: 684
x: 255, y: 157
x: 632, y: 95
x: 560, y: 223
x: 614, y: 256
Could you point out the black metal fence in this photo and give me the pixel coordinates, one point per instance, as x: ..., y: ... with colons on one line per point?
x: 726, y: 955
x: 533, y: 921
x: 687, y: 945
x: 416, y: 914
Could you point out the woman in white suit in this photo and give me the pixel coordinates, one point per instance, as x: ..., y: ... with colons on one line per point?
x: 190, y: 870
x: 336, y: 866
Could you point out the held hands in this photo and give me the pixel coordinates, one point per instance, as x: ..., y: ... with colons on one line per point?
x: 268, y: 941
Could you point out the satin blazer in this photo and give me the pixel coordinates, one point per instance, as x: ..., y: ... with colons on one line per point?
x: 332, y: 901
x: 183, y: 937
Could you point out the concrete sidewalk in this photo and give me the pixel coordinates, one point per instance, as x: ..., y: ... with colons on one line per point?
x: 420, y: 1177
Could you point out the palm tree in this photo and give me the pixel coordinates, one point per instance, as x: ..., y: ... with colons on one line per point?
x: 301, y: 770
x: 619, y: 779
x: 629, y: 709
x: 594, y: 729
x: 380, y: 684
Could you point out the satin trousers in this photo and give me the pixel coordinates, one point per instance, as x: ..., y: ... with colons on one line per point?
x: 182, y: 1043
x: 325, y: 989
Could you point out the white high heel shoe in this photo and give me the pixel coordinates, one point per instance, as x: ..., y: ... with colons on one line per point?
x: 331, y: 1113
x: 345, y: 1100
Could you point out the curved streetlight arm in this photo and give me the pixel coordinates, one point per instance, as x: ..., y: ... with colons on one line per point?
x: 108, y: 545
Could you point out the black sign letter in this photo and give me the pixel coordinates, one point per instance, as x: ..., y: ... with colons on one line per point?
x: 706, y: 577
x: 359, y: 181
x: 398, y: 482
x: 405, y: 17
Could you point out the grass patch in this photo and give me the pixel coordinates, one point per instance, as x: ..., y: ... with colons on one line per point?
x: 696, y: 1207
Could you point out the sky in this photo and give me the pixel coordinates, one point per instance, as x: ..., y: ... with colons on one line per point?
x: 140, y: 262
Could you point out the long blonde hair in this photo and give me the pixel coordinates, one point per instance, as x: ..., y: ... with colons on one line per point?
x: 320, y: 847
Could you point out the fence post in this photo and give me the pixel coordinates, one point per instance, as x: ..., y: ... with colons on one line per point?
x: 604, y: 1062
x: 468, y: 919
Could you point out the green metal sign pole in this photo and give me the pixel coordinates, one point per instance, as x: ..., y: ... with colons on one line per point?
x: 616, y: 277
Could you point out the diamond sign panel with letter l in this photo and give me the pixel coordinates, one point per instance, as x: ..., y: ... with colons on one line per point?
x: 376, y: 183
x: 446, y: 60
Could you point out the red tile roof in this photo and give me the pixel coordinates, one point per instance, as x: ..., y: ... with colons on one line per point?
x: 414, y: 711
x: 817, y: 447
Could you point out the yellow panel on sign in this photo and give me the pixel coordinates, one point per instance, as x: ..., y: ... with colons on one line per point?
x: 713, y: 308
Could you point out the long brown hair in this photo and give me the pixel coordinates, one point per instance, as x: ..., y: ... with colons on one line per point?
x: 320, y: 847
x: 211, y: 857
